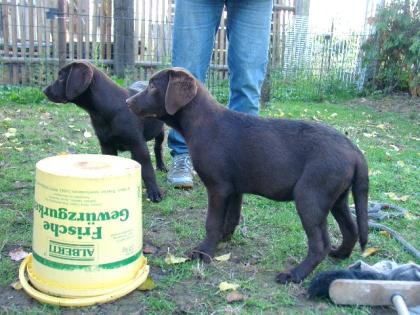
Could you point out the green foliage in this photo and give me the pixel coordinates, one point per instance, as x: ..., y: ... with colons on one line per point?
x: 21, y: 95
x: 393, y: 50
x: 304, y: 86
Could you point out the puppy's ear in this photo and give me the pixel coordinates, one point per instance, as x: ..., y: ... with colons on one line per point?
x: 182, y: 88
x: 78, y: 80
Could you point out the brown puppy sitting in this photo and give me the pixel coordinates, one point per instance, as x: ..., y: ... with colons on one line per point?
x: 280, y: 159
x: 116, y: 127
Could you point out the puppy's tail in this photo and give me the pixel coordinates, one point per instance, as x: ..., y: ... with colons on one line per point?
x: 360, y: 189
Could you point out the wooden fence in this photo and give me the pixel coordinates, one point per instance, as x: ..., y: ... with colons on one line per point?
x: 36, y: 36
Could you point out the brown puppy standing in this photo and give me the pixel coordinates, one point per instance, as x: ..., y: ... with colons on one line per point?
x: 116, y: 127
x: 281, y: 159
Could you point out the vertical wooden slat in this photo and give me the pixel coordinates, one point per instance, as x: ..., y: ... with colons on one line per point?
x: 79, y: 28
x: 56, y: 32
x: 14, y: 40
x: 71, y: 28
x: 20, y: 14
x: 156, y: 33
x: 108, y: 29
x: 87, y: 29
x: 5, y: 19
x: 142, y: 30
x: 168, y: 26
x: 94, y: 29
x: 61, y: 26
x: 136, y: 30
x: 31, y: 28
x: 150, y: 39
x: 103, y: 28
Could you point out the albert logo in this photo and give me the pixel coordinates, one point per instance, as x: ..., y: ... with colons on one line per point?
x: 78, y: 252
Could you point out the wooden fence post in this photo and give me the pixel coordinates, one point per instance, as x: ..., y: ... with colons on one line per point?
x: 61, y: 35
x: 123, y: 35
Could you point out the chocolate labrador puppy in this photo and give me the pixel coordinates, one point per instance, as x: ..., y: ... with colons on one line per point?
x: 116, y: 127
x: 281, y: 159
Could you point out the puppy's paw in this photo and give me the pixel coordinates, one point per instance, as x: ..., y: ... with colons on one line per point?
x: 162, y: 168
x: 201, y: 253
x: 287, y: 277
x: 339, y: 253
x: 154, y: 195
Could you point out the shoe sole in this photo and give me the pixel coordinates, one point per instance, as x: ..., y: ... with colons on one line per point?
x: 183, y: 186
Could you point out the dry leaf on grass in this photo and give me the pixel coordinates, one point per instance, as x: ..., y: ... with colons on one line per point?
x: 225, y: 286
x: 393, y: 196
x: 224, y: 257
x: 385, y: 233
x: 409, y: 216
x: 18, y: 254
x: 147, y: 285
x: 171, y: 259
x: 369, y: 251
x: 16, y: 285
x: 235, y: 296
x: 149, y: 249
x: 87, y: 134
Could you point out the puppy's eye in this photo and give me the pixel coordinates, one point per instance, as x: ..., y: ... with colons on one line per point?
x: 151, y: 85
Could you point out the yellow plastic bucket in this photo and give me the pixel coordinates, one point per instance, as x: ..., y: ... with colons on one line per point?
x: 87, y: 230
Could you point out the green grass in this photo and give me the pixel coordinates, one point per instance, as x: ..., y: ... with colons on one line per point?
x: 269, y: 238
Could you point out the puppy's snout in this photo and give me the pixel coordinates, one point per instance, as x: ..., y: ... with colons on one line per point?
x: 46, y: 90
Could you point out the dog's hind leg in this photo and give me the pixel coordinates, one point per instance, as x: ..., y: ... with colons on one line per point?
x: 312, y: 208
x: 342, y: 215
x: 160, y: 165
x: 233, y: 215
x: 217, y: 206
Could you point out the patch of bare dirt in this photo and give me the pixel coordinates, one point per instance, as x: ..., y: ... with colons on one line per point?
x: 399, y: 103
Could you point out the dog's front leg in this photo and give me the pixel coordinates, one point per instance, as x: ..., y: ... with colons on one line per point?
x: 141, y: 155
x: 107, y: 149
x: 233, y: 215
x: 217, y: 202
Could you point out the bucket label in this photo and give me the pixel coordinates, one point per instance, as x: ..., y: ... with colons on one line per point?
x: 81, y: 223
x: 77, y: 252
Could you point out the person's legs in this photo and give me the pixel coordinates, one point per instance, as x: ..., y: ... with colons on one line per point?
x: 248, y: 29
x: 196, y: 22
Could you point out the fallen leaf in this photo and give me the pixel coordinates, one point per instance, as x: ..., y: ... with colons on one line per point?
x: 369, y: 135
x: 401, y: 163
x: 147, y: 285
x: 333, y: 115
x: 63, y: 153
x: 395, y: 147
x: 381, y: 126
x: 149, y: 249
x: 374, y: 172
x: 224, y: 257
x: 18, y: 254
x: 385, y: 233
x: 19, y: 149
x: 87, y: 134
x: 391, y: 195
x: 225, y: 286
x: 235, y: 296
x: 369, y: 251
x: 16, y: 285
x: 171, y: 259
x: 409, y: 216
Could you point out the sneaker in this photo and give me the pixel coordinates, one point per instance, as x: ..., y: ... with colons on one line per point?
x: 181, y: 173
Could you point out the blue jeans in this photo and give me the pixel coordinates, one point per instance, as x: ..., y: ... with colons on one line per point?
x: 248, y: 32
